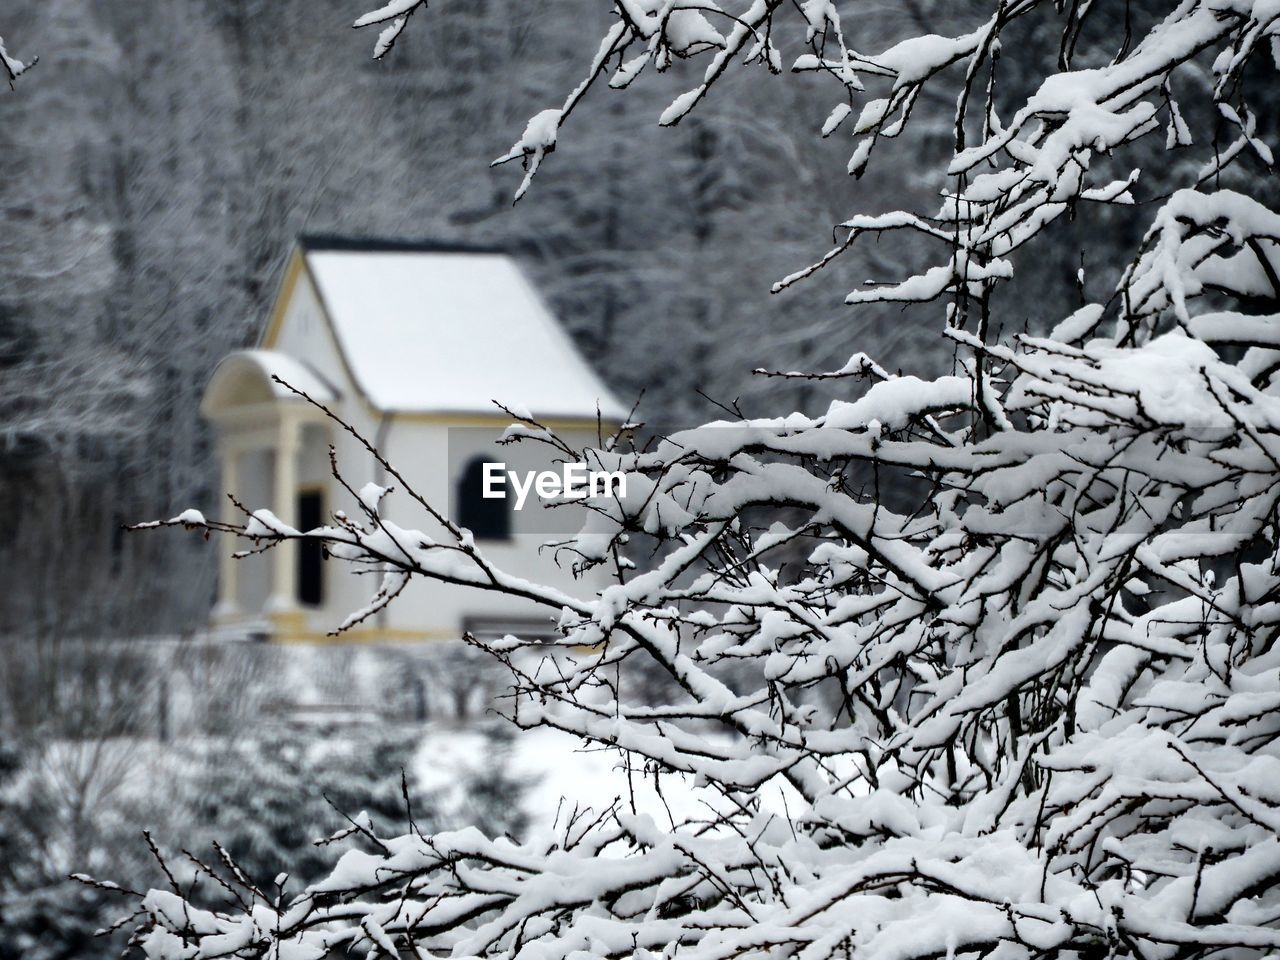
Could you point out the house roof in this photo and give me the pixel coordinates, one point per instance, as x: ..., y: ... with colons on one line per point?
x: 433, y: 329
x: 316, y: 242
x: 246, y: 376
x: 273, y: 363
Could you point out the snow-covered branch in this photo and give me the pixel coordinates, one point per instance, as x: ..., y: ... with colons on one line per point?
x: 13, y: 67
x: 982, y: 665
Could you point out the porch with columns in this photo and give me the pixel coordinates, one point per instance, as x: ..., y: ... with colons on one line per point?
x: 263, y: 431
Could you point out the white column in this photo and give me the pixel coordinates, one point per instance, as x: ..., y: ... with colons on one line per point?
x: 284, y: 594
x: 228, y: 605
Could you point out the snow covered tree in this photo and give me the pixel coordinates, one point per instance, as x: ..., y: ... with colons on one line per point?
x: 1034, y: 713
x: 271, y: 798
x: 69, y: 806
x: 266, y: 798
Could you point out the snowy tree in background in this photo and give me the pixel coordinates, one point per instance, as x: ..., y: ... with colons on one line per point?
x: 267, y: 799
x: 1032, y: 714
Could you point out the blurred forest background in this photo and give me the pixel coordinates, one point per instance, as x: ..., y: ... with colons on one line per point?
x: 162, y: 160
x: 157, y: 164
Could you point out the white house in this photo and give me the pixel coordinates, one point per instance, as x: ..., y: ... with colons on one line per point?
x: 410, y: 344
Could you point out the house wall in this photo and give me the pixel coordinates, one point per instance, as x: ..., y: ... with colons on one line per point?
x: 302, y: 332
x: 420, y: 448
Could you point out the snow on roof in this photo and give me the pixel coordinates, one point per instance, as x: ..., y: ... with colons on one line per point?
x: 292, y: 371
x: 437, y: 331
x: 245, y: 377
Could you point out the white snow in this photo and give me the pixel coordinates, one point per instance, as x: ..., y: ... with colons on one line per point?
x: 564, y: 771
x: 12, y: 65
x: 295, y: 373
x: 452, y: 333
x: 389, y: 11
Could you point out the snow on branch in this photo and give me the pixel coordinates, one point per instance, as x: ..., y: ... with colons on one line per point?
x: 1014, y: 720
x: 395, y: 15
x: 1004, y: 642
x: 13, y: 67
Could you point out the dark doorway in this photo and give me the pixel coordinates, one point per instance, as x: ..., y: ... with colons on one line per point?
x: 310, y: 552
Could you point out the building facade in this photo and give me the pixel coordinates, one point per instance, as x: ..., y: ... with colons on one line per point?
x: 410, y: 345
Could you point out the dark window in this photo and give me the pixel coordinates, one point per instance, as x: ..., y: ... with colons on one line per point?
x: 486, y: 518
x: 310, y: 552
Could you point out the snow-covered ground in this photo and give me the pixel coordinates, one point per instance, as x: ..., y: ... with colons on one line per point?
x: 556, y: 765
x: 561, y: 766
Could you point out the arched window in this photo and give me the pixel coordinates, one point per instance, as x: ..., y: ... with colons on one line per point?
x: 486, y: 518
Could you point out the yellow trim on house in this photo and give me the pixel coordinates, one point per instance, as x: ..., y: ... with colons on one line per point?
x: 292, y: 270
x: 287, y: 621
x: 391, y: 635
x: 364, y: 635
